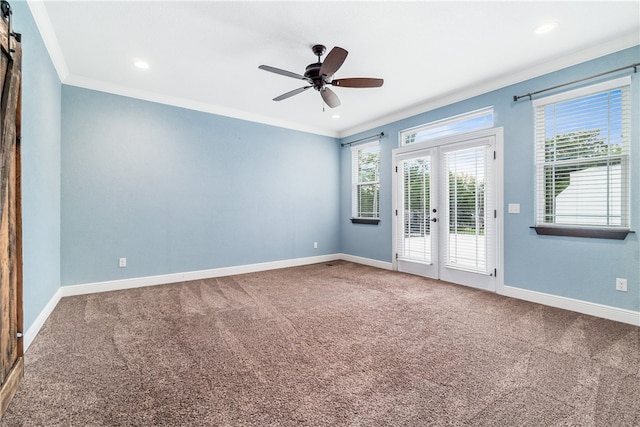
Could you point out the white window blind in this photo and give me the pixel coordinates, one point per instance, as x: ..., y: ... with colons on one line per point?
x: 415, y: 241
x: 468, y: 207
x: 582, y: 157
x: 471, y: 121
x: 366, y: 180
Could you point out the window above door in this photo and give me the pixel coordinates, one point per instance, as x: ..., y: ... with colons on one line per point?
x: 467, y: 122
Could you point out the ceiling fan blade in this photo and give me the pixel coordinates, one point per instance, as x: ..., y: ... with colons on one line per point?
x: 333, y: 61
x: 282, y: 72
x: 290, y: 94
x: 358, y: 82
x: 330, y: 97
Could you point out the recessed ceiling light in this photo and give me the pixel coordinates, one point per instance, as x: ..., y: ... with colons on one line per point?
x: 139, y: 63
x: 335, y: 116
x: 545, y: 28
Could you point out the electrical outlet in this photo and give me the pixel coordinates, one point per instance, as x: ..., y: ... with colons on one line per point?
x: 122, y: 262
x: 315, y: 245
x: 621, y: 285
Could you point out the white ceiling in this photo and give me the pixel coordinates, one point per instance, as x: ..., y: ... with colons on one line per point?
x: 205, y: 54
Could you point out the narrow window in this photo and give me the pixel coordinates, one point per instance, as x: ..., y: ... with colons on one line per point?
x: 366, y: 183
x: 467, y: 122
x: 582, y: 159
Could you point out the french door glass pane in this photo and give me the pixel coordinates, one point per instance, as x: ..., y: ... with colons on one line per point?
x: 415, y: 241
x: 466, y: 232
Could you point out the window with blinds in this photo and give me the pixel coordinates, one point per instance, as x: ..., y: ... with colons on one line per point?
x: 582, y: 157
x: 366, y: 181
x: 467, y: 122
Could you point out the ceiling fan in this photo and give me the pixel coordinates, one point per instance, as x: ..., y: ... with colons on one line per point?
x: 320, y: 75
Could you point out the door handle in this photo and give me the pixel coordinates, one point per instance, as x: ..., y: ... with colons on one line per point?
x: 434, y: 219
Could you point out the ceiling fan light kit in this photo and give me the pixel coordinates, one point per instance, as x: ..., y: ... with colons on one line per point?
x: 320, y: 74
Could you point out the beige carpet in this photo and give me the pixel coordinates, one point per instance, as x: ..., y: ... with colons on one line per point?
x: 335, y: 344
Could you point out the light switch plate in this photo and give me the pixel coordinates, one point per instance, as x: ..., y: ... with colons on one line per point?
x: 514, y: 208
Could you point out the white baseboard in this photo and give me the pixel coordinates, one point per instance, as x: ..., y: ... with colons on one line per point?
x: 35, y: 327
x: 579, y: 306
x: 366, y: 261
x: 116, y: 285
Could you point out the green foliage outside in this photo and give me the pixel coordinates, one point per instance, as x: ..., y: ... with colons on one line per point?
x: 369, y: 188
x: 417, y: 184
x: 466, y: 204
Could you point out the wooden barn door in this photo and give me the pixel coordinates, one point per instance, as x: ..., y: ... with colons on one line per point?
x: 11, y: 350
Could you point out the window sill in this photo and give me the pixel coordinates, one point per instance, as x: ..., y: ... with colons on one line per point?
x: 595, y: 233
x: 371, y: 221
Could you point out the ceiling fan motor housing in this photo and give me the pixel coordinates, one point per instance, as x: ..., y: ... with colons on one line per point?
x: 312, y: 72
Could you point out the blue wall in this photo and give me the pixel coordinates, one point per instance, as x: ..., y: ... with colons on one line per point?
x: 579, y: 268
x: 175, y: 190
x: 40, y: 168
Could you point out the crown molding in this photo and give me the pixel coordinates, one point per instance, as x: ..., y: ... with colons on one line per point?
x: 189, y: 104
x: 593, y: 52
x: 41, y: 18
x: 43, y: 23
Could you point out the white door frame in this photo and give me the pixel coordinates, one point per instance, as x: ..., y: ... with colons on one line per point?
x: 399, y: 153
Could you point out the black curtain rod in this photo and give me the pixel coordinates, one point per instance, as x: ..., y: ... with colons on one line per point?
x: 378, y: 135
x: 634, y: 66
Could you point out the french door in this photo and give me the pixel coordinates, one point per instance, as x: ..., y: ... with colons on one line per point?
x: 446, y: 202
